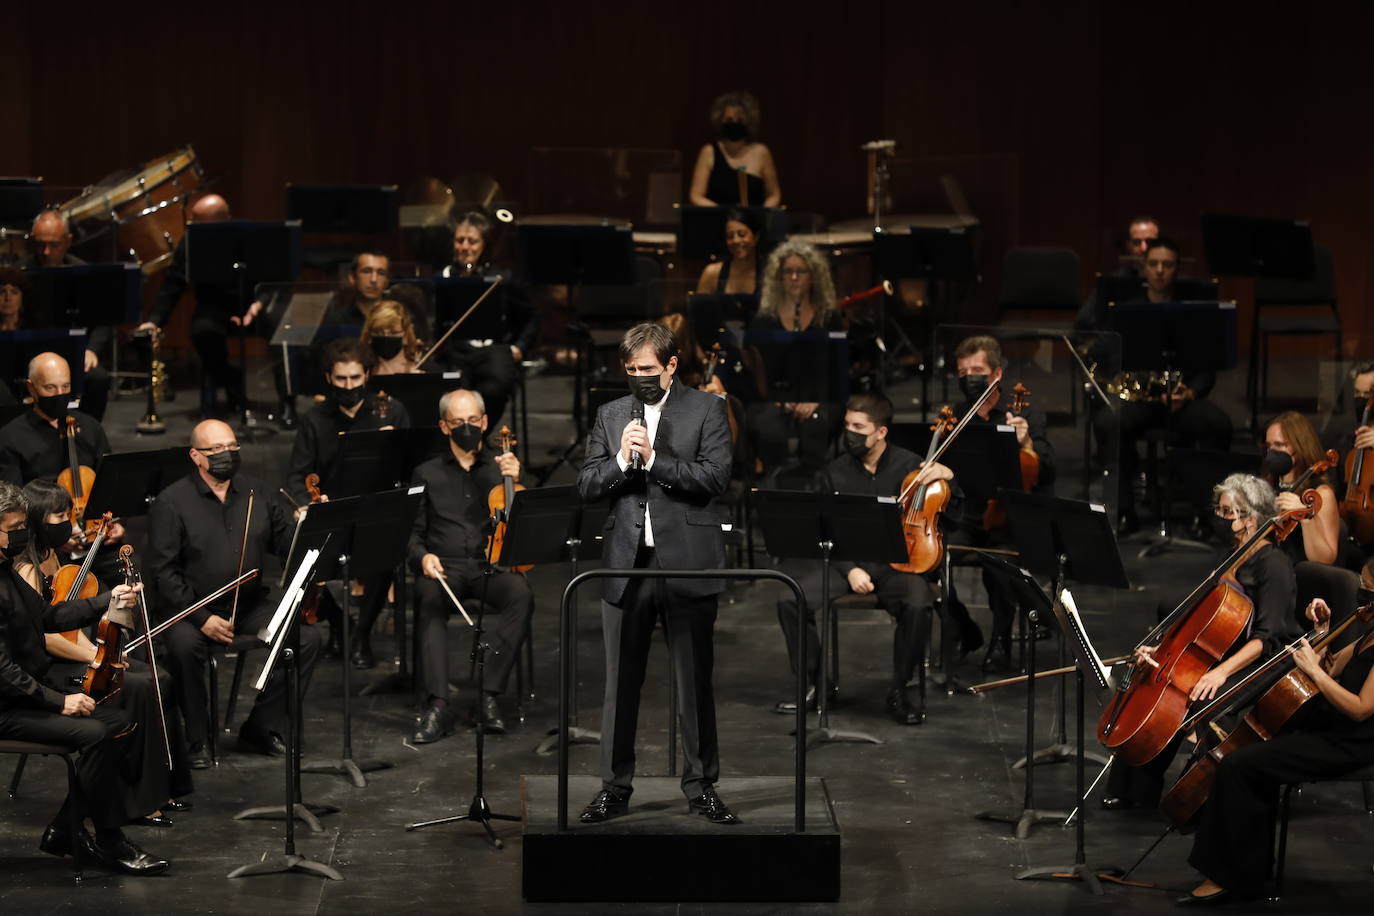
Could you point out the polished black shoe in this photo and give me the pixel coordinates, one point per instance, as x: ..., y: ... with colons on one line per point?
x: 362, y: 653
x: 256, y: 741
x: 901, y: 710
x: 435, y: 724
x: 124, y: 855
x: 57, y: 841
x: 1220, y: 897
x: 199, y: 757
x: 789, y: 707
x: 709, y: 806
x: 333, y: 647
x: 151, y: 820
x: 177, y: 804
x: 1116, y: 803
x: 605, y: 806
x: 491, y: 711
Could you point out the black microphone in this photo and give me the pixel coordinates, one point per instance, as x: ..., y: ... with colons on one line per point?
x: 637, y: 413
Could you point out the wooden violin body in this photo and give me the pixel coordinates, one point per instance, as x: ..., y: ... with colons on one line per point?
x: 72, y: 582
x: 498, y: 500
x: 1357, y: 506
x: 922, y: 506
x: 76, y: 478
x: 994, y: 516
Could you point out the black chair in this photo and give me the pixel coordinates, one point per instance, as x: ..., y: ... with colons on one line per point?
x: 1364, y: 776
x: 25, y: 749
x: 1308, y: 310
x: 1338, y: 587
x: 1040, y: 280
x: 240, y: 647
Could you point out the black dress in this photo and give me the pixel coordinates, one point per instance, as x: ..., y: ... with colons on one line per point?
x: 1234, y: 844
x: 724, y: 276
x: 722, y: 185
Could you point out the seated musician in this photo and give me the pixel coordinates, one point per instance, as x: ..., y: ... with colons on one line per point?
x: 798, y: 295
x: 870, y: 466
x: 980, y: 365
x: 13, y: 285
x: 715, y: 178
x: 1339, y: 430
x: 1196, y: 421
x: 390, y: 334
x: 742, y: 271
x: 1291, y: 447
x: 1242, y: 504
x: 149, y: 786
x: 368, y: 278
x: 1234, y: 843
x: 1139, y: 233
x: 449, y: 541
x: 34, y: 707
x: 32, y: 445
x: 489, y: 366
x: 347, y: 408
x: 195, y: 536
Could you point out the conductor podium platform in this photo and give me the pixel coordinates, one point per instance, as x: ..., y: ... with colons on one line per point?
x: 659, y: 852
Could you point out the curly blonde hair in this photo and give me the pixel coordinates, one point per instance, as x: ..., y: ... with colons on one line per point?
x: 388, y: 317
x: 822, y: 286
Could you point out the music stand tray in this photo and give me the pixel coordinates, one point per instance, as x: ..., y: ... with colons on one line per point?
x: 355, y: 209
x: 1250, y: 246
x: 128, y: 482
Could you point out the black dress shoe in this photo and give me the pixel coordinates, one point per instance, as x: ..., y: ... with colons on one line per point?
x: 256, y: 741
x: 491, y: 711
x: 901, y: 710
x: 124, y: 855
x: 57, y: 841
x: 1220, y: 897
x: 199, y: 757
x: 1115, y: 803
x: 177, y: 804
x: 605, y: 806
x: 709, y: 806
x: 789, y: 707
x: 434, y: 725
x: 151, y: 820
x: 362, y: 653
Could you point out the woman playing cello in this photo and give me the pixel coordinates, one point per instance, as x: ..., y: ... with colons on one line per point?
x: 1242, y: 504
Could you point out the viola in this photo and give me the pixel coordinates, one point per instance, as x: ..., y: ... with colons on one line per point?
x: 1152, y: 701
x: 105, y: 673
x: 1282, y: 705
x: 499, y: 500
x: 310, y: 601
x: 72, y: 582
x: 1357, y: 508
x: 76, y: 478
x: 994, y: 516
x: 922, y: 506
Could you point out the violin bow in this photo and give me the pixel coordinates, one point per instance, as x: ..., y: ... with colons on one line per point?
x: 181, y: 615
x: 132, y: 577
x: 464, y: 317
x: 454, y: 598
x: 243, y: 549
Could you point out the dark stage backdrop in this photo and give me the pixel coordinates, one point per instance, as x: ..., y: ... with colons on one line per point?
x: 1061, y: 118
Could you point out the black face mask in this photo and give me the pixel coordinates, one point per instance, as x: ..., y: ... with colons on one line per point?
x: 387, y: 347
x: 348, y: 398
x: 466, y: 436
x: 224, y: 465
x: 855, y: 444
x: 55, y: 534
x: 647, y: 388
x: 1221, y: 530
x: 973, y: 386
x: 53, y: 406
x: 1277, y: 463
x: 734, y: 130
x: 19, y: 542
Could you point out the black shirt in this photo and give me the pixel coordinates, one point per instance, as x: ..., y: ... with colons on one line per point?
x: 1270, y: 584
x: 194, y: 541
x: 31, y: 447
x: 452, y: 521
x: 24, y: 660
x: 1038, y: 427
x: 318, y: 441
x: 847, y: 474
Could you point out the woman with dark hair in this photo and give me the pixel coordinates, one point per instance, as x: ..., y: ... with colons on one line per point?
x: 1291, y: 447
x: 148, y: 786
x: 13, y: 285
x: 742, y: 272
x: 715, y: 179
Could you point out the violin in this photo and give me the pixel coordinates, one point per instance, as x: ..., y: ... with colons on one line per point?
x: 994, y: 516
x: 1356, y: 508
x: 1152, y: 701
x: 1278, y: 707
x: 499, y: 501
x: 381, y: 406
x: 922, y: 505
x: 72, y: 582
x: 310, y: 601
x: 105, y: 673
x: 76, y: 478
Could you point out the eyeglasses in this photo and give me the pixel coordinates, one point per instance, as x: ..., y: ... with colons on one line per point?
x: 218, y: 449
x: 1230, y: 513
x: 796, y: 272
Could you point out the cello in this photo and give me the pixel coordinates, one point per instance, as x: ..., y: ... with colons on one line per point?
x: 1357, y: 507
x: 499, y: 500
x: 1278, y: 707
x: 1152, y: 702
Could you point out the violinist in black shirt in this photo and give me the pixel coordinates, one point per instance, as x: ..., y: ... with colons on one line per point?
x: 31, y: 445
x: 195, y: 534
x: 449, y: 541
x: 870, y: 466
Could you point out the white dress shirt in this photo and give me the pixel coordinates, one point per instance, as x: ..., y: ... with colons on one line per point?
x: 652, y: 413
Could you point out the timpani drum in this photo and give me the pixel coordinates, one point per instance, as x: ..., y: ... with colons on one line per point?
x: 146, y: 208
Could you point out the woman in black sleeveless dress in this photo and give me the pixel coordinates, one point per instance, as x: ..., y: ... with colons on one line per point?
x: 715, y: 179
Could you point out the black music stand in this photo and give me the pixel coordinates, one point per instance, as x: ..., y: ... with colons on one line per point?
x: 721, y: 319
x: 1183, y: 336
x: 701, y: 230
x: 286, y: 647
x: 366, y: 535
x: 85, y: 295
x: 368, y: 461
x: 929, y: 253
x: 826, y: 527
x: 128, y: 482
x: 420, y: 393
x: 800, y: 365
x: 355, y: 209
x: 568, y: 531
x: 240, y: 255
x: 21, y: 199
x: 1068, y: 539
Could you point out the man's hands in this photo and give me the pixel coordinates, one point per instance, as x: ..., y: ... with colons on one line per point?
x: 91, y: 360
x: 933, y: 472
x: 1181, y: 395
x: 509, y: 466
x: 77, y: 704
x: 431, y: 567
x: 218, y: 629
x: 635, y: 438
x: 859, y: 581
x: 253, y: 311
x: 1022, y: 428
x: 125, y: 596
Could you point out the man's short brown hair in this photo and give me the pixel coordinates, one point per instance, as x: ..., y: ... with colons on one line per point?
x: 649, y: 333
x: 872, y: 405
x: 989, y: 345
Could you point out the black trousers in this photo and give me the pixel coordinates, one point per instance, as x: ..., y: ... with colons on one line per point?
x: 96, y: 770
x: 770, y: 427
x: 1234, y: 843
x: 187, y: 653
x: 628, y: 630
x: 907, y: 597
x: 1198, y: 424
x: 507, y: 594
x: 490, y: 371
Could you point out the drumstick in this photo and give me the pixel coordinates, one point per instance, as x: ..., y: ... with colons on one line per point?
x: 743, y: 174
x: 454, y: 598
x: 440, y: 342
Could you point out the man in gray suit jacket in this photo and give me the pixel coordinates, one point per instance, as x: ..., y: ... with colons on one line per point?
x: 661, y: 456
